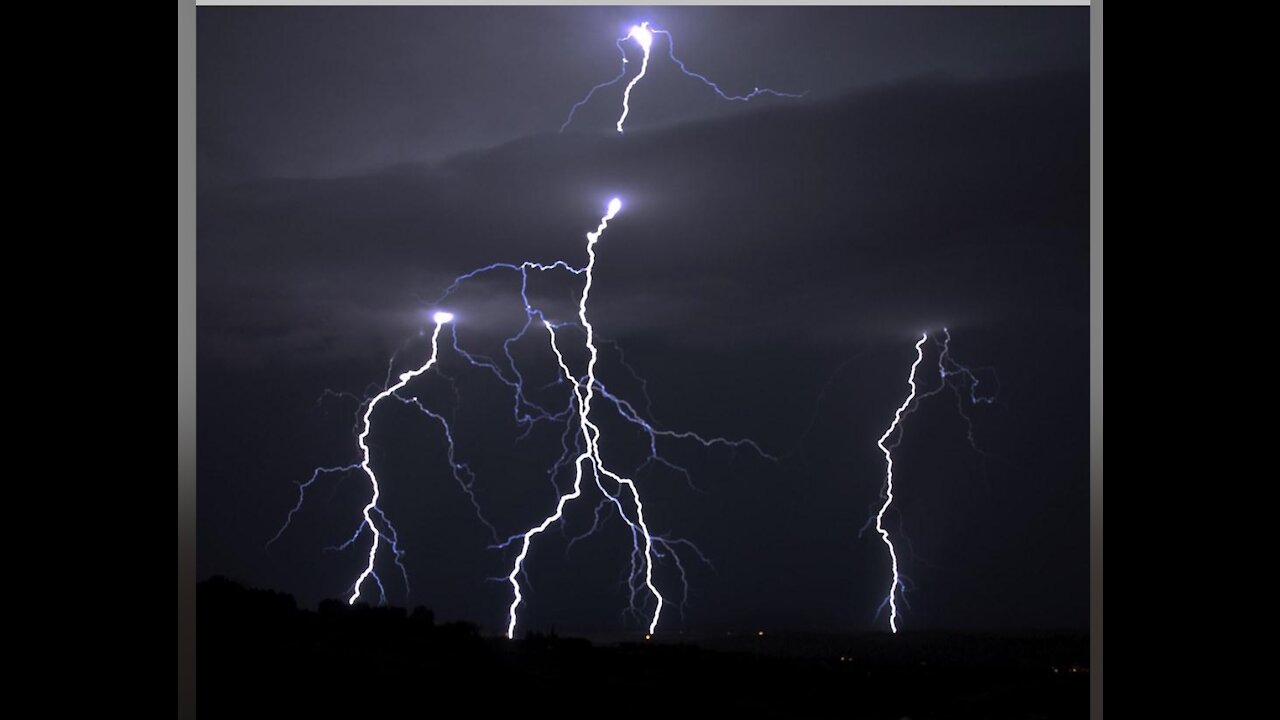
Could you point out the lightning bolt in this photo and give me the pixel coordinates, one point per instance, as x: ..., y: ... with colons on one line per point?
x: 948, y: 369
x: 888, y: 492
x: 389, y: 534
x: 590, y: 436
x: 441, y: 319
x: 642, y: 34
x: 644, y: 39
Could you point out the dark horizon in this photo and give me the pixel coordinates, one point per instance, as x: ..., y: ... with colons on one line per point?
x: 257, y: 649
x: 619, y: 635
x: 768, y: 276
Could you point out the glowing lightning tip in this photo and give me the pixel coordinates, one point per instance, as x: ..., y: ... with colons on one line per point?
x: 615, y: 205
x: 642, y: 35
x: 443, y: 317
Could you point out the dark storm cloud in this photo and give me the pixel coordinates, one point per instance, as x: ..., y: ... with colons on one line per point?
x: 903, y: 207
x: 768, y: 275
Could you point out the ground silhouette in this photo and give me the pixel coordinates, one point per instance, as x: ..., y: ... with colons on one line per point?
x: 260, y: 655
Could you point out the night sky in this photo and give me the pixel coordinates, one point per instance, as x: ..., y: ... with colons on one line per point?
x: 771, y: 270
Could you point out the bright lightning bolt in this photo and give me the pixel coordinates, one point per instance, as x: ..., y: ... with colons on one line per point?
x: 614, y: 206
x: 953, y: 375
x: 583, y: 408
x: 441, y: 319
x: 591, y: 436
x: 642, y: 34
x: 644, y: 39
x: 888, y: 494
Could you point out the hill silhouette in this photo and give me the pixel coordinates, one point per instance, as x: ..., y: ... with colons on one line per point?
x: 259, y: 654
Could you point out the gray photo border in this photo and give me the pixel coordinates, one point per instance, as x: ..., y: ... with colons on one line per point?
x: 1095, y: 358
x: 186, y: 358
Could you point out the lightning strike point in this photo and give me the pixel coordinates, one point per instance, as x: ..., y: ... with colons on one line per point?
x: 641, y: 34
x: 443, y: 317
